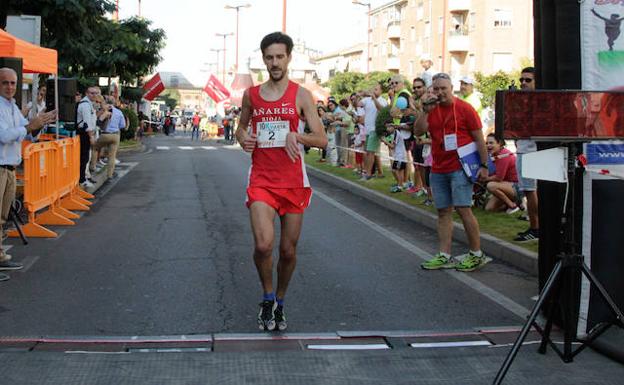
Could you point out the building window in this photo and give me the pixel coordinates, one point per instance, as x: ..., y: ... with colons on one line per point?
x: 472, y: 63
x: 502, y: 61
x: 374, y: 21
x: 502, y: 18
x: 412, y: 33
x: 420, y: 11
x: 440, y: 25
x: 473, y: 21
x: 427, y: 29
x: 384, y: 48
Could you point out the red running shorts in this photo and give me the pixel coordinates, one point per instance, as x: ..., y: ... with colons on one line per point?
x: 283, y: 200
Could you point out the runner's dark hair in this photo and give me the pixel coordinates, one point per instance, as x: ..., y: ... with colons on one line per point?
x: 277, y: 38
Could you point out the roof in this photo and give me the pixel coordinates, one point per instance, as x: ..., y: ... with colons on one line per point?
x: 176, y: 80
x: 35, y: 59
x: 343, y: 52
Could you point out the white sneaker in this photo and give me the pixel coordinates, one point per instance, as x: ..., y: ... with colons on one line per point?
x: 117, y: 161
x: 87, y: 184
x: 102, y: 163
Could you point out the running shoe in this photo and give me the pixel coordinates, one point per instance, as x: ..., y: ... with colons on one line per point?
x: 512, y: 210
x: 428, y: 202
x: 412, y: 190
x: 529, y: 235
x: 439, y: 261
x: 280, y: 318
x: 10, y: 265
x: 266, y: 316
x: 472, y: 262
x: 395, y: 189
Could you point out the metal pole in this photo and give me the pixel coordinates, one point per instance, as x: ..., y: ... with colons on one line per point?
x: 284, y: 17
x: 368, y: 33
x: 56, y: 104
x: 236, y: 67
x: 223, y: 78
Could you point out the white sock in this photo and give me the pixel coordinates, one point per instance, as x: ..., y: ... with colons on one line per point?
x: 445, y: 254
x: 478, y: 253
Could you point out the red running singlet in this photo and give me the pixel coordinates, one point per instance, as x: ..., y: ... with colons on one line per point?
x: 271, y: 122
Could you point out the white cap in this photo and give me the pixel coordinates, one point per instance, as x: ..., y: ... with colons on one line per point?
x: 467, y: 80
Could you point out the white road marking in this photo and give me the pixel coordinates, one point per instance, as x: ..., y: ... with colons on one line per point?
x: 162, y: 147
x: 481, y: 288
x: 349, y: 347
x: 453, y: 344
x: 186, y: 148
x: 209, y: 148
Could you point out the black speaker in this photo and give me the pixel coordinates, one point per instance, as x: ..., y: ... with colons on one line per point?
x: 16, y: 64
x: 67, y: 88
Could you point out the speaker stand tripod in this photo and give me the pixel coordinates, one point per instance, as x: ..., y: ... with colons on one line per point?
x: 569, y: 264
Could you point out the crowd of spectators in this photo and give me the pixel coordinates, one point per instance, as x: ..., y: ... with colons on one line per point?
x: 355, y: 141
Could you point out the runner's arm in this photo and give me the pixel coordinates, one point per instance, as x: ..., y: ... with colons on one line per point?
x: 316, y: 137
x: 246, y: 140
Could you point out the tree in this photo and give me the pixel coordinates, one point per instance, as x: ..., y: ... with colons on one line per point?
x: 90, y: 45
x: 344, y: 84
x: 171, y: 98
x: 487, y: 85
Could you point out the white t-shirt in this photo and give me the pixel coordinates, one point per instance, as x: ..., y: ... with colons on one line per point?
x: 399, y: 147
x: 359, y: 111
x: 370, y: 112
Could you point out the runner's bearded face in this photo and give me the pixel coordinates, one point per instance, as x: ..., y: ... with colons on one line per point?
x: 276, y: 60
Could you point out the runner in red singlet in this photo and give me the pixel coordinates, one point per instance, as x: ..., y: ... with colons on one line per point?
x: 278, y: 183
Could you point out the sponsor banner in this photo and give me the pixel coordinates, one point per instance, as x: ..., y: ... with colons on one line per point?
x: 216, y: 90
x: 153, y: 87
x: 602, y: 46
x: 610, y: 153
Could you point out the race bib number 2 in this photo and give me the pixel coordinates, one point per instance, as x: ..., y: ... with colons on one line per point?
x: 272, y: 134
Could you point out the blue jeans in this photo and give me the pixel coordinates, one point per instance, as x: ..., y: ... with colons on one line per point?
x: 451, y: 189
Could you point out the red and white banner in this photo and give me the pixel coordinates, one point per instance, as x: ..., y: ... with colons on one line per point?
x: 216, y: 90
x: 153, y: 88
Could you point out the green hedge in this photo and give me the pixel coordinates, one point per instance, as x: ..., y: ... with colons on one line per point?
x: 133, y: 123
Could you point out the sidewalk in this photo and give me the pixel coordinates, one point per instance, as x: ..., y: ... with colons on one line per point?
x: 516, y: 256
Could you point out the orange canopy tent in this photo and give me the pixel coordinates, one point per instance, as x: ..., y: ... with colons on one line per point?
x: 35, y: 59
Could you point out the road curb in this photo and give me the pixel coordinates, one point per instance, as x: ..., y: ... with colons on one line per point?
x: 516, y: 256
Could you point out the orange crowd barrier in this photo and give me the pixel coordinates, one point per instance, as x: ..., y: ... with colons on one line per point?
x: 50, y: 178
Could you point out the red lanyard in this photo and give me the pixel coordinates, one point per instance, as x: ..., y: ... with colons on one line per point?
x: 447, y: 119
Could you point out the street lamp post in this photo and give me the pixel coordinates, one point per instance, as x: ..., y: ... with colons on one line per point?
x: 237, y: 8
x: 284, y: 16
x: 225, y: 35
x: 217, y: 50
x: 368, y: 33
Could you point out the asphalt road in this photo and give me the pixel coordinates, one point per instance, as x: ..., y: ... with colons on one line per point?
x: 166, y: 250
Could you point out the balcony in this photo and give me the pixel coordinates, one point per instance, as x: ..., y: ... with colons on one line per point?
x: 458, y: 43
x: 459, y: 5
x: 394, y: 30
x: 393, y: 63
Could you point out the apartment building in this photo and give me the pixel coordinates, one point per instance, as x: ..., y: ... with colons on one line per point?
x: 460, y: 36
x: 348, y: 59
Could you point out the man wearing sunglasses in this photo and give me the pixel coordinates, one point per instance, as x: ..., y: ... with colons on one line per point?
x: 13, y: 129
x: 526, y: 185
